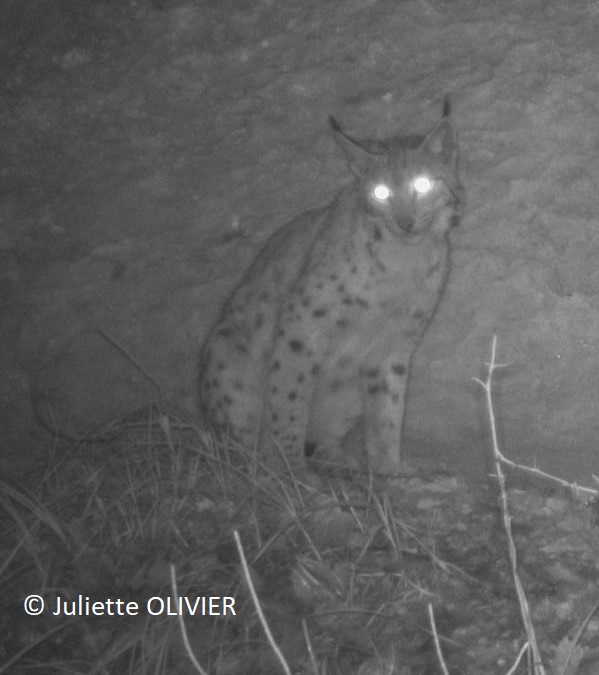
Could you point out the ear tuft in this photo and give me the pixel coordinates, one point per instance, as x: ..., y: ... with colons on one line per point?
x: 335, y: 126
x: 446, y: 106
x: 442, y: 142
x: 358, y: 158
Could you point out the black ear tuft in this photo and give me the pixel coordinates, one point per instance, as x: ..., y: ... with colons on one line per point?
x: 335, y: 126
x: 446, y: 106
x: 441, y: 142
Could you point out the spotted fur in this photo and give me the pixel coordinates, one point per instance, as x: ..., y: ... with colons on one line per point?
x: 321, y: 330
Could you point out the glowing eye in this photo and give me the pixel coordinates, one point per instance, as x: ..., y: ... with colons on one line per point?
x: 422, y: 185
x: 381, y: 193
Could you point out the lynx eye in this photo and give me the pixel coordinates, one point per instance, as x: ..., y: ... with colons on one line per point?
x: 381, y: 192
x: 422, y: 185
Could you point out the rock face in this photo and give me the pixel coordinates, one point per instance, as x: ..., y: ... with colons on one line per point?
x: 546, y: 399
x: 524, y: 270
x: 137, y: 206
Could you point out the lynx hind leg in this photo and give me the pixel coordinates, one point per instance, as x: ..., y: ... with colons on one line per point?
x: 229, y: 385
x: 384, y: 392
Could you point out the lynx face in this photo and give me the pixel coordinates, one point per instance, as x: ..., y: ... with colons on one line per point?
x: 409, y: 181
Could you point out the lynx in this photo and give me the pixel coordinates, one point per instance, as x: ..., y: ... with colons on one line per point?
x: 321, y: 330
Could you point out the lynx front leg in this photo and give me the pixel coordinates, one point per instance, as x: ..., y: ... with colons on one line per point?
x: 384, y: 392
x: 290, y: 384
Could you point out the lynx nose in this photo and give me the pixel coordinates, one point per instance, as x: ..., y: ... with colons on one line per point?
x: 405, y: 224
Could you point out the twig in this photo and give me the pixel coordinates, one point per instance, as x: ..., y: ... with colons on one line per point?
x: 521, y: 653
x: 578, y: 490
x: 310, y: 648
x: 431, y: 618
x: 163, y: 420
x: 256, y: 601
x: 125, y: 352
x: 537, y: 663
x: 578, y: 635
x: 182, y: 626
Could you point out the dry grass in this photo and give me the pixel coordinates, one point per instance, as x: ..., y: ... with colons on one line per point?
x: 339, y: 579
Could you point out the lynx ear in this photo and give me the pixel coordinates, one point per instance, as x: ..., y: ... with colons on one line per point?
x: 442, y: 142
x: 357, y: 157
